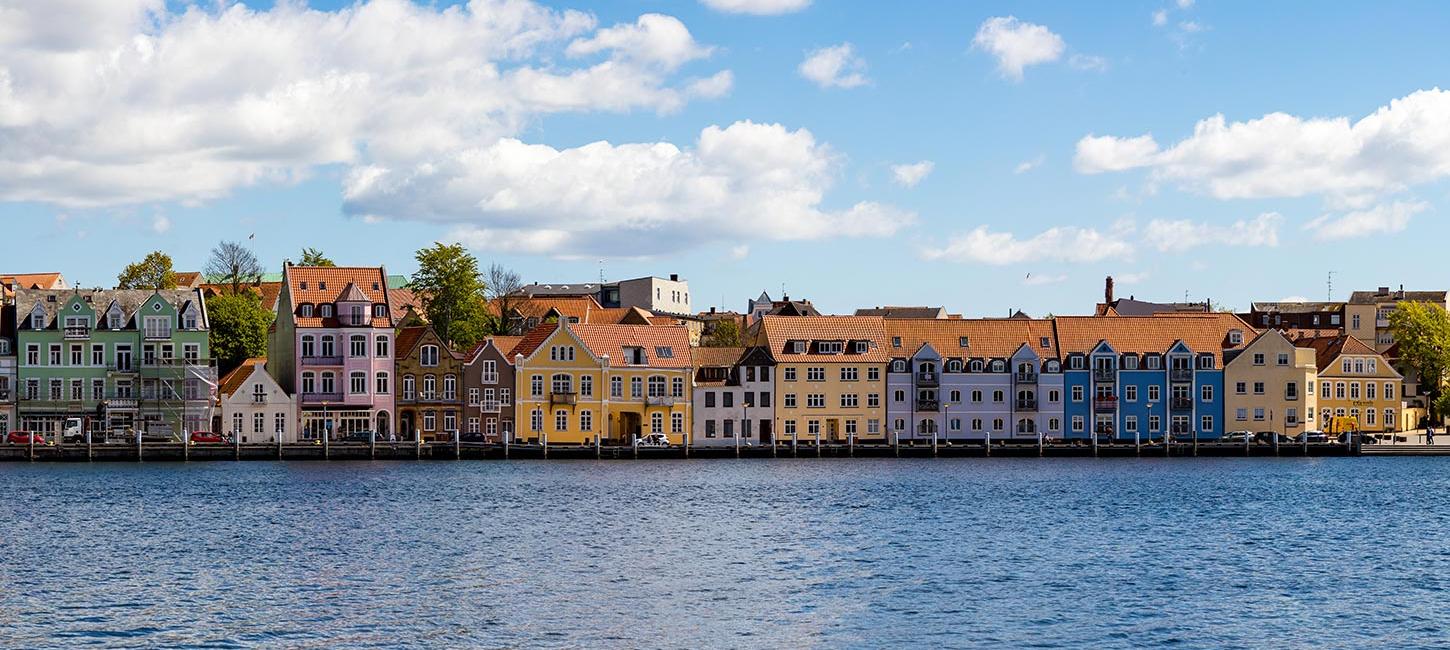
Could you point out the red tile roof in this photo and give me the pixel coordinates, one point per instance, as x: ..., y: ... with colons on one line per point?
x: 664, y: 347
x: 1328, y: 348
x: 400, y: 299
x: 986, y: 338
x: 776, y: 331
x: 325, y: 284
x: 239, y: 375
x: 716, y: 357
x: 1202, y: 333
x: 531, y: 340
x: 188, y: 279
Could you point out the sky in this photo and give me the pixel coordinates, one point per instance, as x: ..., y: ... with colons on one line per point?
x: 983, y: 156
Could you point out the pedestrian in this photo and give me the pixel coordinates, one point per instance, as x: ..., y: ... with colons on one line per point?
x: 1429, y: 435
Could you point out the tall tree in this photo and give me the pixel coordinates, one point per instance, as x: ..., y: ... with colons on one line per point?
x: 502, y: 286
x: 233, y: 264
x: 153, y: 272
x: 726, y: 334
x: 1422, y: 332
x: 314, y: 257
x: 238, y: 328
x: 452, y: 292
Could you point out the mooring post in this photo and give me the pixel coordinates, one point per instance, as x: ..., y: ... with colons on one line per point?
x: 32, y: 446
x: 1095, y: 444
x: 506, y: 445
x: 138, y: 446
x: 457, y: 446
x: 896, y: 442
x: 794, y: 441
x: 933, y: 444
x: 1039, y: 443
x: 545, y: 436
x: 326, y: 450
x: 851, y: 444
x: 1138, y: 442
x: 818, y: 443
x: 598, y: 451
x: 988, y: 441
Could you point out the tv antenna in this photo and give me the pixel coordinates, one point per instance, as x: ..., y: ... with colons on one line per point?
x: 1329, y: 288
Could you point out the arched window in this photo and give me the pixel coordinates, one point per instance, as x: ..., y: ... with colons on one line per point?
x: 450, y: 387
x: 380, y: 350
x: 309, y: 383
x: 976, y: 365
x: 357, y: 345
x: 430, y: 387
x: 329, y: 383
x: 562, y: 384
x: 329, y: 346
x: 382, y: 384
x: 358, y: 383
x: 428, y: 356
x: 954, y: 366
x: 656, y: 386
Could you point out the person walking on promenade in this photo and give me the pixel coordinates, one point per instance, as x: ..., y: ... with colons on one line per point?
x: 1429, y: 434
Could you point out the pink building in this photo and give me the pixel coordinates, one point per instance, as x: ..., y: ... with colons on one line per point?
x: 332, y: 347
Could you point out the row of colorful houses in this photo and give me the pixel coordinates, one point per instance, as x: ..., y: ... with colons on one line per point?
x: 349, y: 357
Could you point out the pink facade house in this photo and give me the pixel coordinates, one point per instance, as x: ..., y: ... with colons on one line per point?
x: 332, y: 347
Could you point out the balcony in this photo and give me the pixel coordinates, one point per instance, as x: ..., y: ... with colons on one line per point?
x: 1027, y: 404
x: 928, y: 405
x: 121, y: 404
x: 1025, y: 377
x: 1381, y: 322
x: 77, y: 331
x: 490, y: 406
x: 563, y: 397
x: 354, y: 320
x: 927, y: 378
x: 1181, y: 375
x: 659, y: 400
x: 1104, y: 374
x: 123, y: 368
x: 1105, y: 404
x: 157, y: 333
x: 1180, y: 404
x: 321, y: 398
x: 322, y: 361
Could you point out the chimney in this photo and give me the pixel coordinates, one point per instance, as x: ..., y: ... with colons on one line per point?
x: 1108, y: 291
x: 1402, y: 292
x: 712, y: 310
x: 674, y: 277
x: 1384, y: 291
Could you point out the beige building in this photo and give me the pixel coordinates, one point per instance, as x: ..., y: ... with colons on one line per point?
x: 1367, y: 318
x: 1270, y: 386
x: 829, y: 376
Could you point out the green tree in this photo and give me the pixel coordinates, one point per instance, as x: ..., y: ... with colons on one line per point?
x: 1422, y: 332
x: 453, y: 294
x: 314, y: 257
x: 153, y: 272
x: 238, y: 328
x: 726, y: 334
x: 234, y: 265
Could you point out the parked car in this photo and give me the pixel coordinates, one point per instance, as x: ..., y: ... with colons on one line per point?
x: 472, y: 436
x: 24, y: 438
x: 1239, y: 437
x: 357, y: 436
x: 653, y: 440
x: 207, y: 438
x: 1312, y: 436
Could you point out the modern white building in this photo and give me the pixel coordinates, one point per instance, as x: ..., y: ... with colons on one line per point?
x: 255, y: 408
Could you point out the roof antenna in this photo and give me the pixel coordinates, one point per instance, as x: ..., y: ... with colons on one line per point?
x: 601, y: 271
x: 1329, y: 285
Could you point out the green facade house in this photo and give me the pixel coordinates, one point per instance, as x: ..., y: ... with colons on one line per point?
x: 119, y: 361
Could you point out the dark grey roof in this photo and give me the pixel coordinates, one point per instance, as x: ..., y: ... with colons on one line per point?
x: 1132, y: 307
x: 564, y: 289
x: 1296, y: 307
x: 129, y: 300
x: 904, y: 312
x: 1373, y: 297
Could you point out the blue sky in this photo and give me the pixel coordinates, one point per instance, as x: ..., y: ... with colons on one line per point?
x: 262, y: 121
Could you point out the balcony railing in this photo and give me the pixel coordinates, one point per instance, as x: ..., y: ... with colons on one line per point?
x: 1026, y: 404
x: 659, y: 400
x: 1026, y: 377
x: 490, y: 378
x: 928, y: 404
x: 1102, y: 404
x: 563, y: 397
x: 490, y: 406
x: 1381, y: 322
x: 1180, y: 374
x: 927, y: 377
x: 322, y: 360
x: 1104, y: 374
x: 121, y: 403
x: 77, y: 332
x: 157, y: 333
x: 1180, y: 404
x: 319, y: 398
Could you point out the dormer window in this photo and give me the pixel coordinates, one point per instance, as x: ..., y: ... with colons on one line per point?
x: 861, y: 347
x: 896, y: 341
x: 1044, y: 342
x: 1077, y: 362
x: 998, y: 366
x: 898, y: 366
x: 306, y: 311
x: 954, y: 366
x: 1154, y: 362
x: 1130, y: 362
x: 830, y: 347
x: 376, y: 287
x: 1052, y: 366
x: 325, y: 310
x: 634, y: 355
x: 1235, y: 337
x: 380, y: 311
x: 189, y: 319
x: 798, y: 347
x: 976, y: 365
x: 114, y: 320
x: 37, y: 318
x: 322, y: 286
x: 1205, y: 362
x: 304, y: 285
x: 964, y: 341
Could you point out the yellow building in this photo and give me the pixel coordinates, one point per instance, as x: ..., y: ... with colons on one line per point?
x: 1355, y: 381
x: 613, y: 383
x: 1270, y: 386
x: 829, y: 378
x: 1367, y: 317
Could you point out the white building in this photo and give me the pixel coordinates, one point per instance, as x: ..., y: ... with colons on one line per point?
x: 255, y: 408
x: 733, y: 397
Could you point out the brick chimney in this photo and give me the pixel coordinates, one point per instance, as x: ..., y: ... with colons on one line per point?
x: 1108, y: 291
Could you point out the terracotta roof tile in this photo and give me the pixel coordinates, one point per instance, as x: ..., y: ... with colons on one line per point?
x: 399, y: 300
x: 319, y: 285
x: 776, y: 331
x: 239, y: 375
x: 188, y: 279
x: 1202, y: 333
x: 664, y: 347
x: 716, y: 357
x: 1328, y: 348
x: 531, y: 340
x: 986, y: 337
x: 504, y: 344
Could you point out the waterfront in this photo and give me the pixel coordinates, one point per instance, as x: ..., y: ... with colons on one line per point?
x: 1209, y: 552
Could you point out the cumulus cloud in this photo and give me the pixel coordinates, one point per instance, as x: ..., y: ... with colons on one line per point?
x: 910, y: 175
x: 747, y: 180
x: 1279, y: 155
x: 1017, y: 45
x: 160, y: 224
x: 117, y: 102
x: 1063, y: 244
x: 1183, y: 234
x: 836, y: 66
x: 1381, y: 219
x: 757, y: 7
x: 1028, y: 165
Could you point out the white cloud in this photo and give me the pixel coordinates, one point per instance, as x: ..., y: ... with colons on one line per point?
x: 1017, y: 44
x: 757, y: 7
x: 740, y: 252
x: 1380, y: 219
x: 748, y: 180
x: 1160, y: 18
x: 836, y: 66
x: 160, y: 224
x: 1037, y: 279
x: 1063, y: 244
x: 1185, y: 4
x: 1190, y: 27
x: 1028, y: 165
x: 1281, y: 155
x: 1088, y: 62
x: 910, y: 175
x: 123, y: 102
x: 1182, y: 234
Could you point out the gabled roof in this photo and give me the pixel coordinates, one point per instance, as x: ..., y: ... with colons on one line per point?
x: 238, y: 376
x: 1132, y: 307
x: 716, y: 357
x: 352, y: 294
x: 323, y: 284
x: 400, y: 301
x: 986, y: 338
x: 1295, y: 307
x: 268, y: 291
x: 504, y: 345
x: 188, y: 279
x: 612, y: 339
x: 100, y: 300
x: 1328, y: 348
x: 33, y: 280
x: 1203, y: 333
x: 408, y: 339
x: 531, y: 340
x: 580, y: 308
x: 903, y: 312
x: 775, y: 331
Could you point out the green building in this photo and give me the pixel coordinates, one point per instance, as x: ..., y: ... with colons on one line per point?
x: 119, y: 361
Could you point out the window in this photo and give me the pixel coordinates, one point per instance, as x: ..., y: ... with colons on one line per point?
x: 450, y: 387
x: 872, y: 374
x: 430, y: 420
x: 1354, y: 390
x: 1369, y: 390
x: 382, y: 385
x: 98, y: 389
x: 430, y: 387
x: 1258, y: 358
x: 849, y: 374
x: 536, y: 386
x: 1054, y: 396
x: 1259, y: 414
x: 873, y: 400
x: 324, y: 311
x: 657, y: 422
x: 1206, y: 424
x: 358, y: 346
x: 357, y: 384
x: 1241, y: 414
x: 848, y: 400
x: 677, y: 387
x: 998, y: 396
x: 898, y: 396
x: 1130, y: 424
x: 236, y: 424
x: 789, y: 374
x: 586, y: 386
x: 816, y: 401
x: 473, y: 396
x: 309, y: 382
x: 1206, y: 393
x: 898, y: 366
x: 1389, y: 390
x: 490, y: 372
x: 815, y: 373
x: 1369, y: 416
x: 616, y: 387
x: 1077, y: 392
x: 1077, y: 422
x: 536, y: 420
x: 1339, y: 390
x: 586, y: 420
x: 504, y: 396
x: 329, y: 384
x: 955, y: 396
x: 54, y: 354
x: 428, y: 356
x: 1130, y: 393
x: 410, y: 387
x: 1258, y: 388
x: 709, y: 428
x: 677, y: 424
x: 636, y: 387
x: 1291, y: 391
x: 380, y: 346
x: 789, y: 401
x: 279, y: 424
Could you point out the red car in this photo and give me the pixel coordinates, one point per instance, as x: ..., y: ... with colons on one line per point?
x: 207, y: 437
x: 24, y: 438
